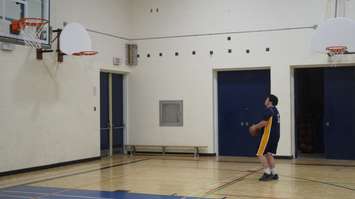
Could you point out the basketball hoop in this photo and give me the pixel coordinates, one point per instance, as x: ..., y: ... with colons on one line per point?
x: 75, y: 40
x: 335, y: 54
x: 72, y: 40
x: 31, y: 30
x: 336, y: 50
x: 85, y: 53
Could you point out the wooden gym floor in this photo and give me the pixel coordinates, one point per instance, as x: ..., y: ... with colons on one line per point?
x: 184, y: 177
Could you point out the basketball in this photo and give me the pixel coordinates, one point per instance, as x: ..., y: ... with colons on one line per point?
x: 253, y: 131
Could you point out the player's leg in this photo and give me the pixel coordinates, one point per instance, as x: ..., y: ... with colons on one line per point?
x: 271, y: 162
x: 272, y: 148
x: 262, y: 158
x: 264, y: 162
x: 262, y: 151
x: 267, y: 171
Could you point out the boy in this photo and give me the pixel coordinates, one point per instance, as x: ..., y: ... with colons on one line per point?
x: 270, y: 139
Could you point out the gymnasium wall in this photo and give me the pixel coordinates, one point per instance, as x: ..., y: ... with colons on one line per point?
x: 47, y: 109
x: 191, y: 78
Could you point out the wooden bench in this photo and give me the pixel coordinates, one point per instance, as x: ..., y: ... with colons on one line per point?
x: 132, y: 148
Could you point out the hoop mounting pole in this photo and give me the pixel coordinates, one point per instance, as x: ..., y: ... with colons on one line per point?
x: 60, y: 54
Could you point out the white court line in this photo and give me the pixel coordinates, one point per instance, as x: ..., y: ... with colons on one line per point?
x: 5, y: 195
x: 40, y: 193
x: 49, y: 194
x: 89, y: 197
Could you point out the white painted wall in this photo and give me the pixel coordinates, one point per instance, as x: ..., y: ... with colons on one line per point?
x: 190, y: 78
x: 201, y: 16
x: 349, y: 9
x: 46, y: 109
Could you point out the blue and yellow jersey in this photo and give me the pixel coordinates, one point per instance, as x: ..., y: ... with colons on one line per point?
x: 271, y: 135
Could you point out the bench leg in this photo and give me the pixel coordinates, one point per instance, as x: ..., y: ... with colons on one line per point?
x: 133, y: 150
x: 163, y: 150
x: 197, y: 153
x: 129, y: 150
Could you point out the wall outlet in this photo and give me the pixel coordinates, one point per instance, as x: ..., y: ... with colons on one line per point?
x: 116, y: 61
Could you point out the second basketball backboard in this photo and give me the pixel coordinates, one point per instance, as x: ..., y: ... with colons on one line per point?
x: 17, y: 9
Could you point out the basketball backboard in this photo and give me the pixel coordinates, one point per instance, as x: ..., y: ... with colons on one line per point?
x: 335, y: 32
x: 17, y: 9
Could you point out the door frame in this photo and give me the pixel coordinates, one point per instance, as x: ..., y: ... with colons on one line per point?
x: 292, y: 89
x: 215, y: 98
x: 125, y: 107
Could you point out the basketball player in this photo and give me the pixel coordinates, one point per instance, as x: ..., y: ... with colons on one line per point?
x: 270, y: 139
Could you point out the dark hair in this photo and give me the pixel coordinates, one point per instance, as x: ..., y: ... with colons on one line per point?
x: 273, y: 99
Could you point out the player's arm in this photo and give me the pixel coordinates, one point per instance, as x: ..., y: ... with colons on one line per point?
x: 263, y: 122
x: 260, y: 125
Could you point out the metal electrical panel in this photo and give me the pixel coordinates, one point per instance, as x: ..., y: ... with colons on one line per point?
x: 116, y: 61
x: 132, y: 52
x: 171, y: 112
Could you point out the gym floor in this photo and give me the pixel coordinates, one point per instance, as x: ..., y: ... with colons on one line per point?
x: 184, y: 177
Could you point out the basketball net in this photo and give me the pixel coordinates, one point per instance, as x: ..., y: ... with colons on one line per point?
x: 335, y: 54
x: 32, y: 30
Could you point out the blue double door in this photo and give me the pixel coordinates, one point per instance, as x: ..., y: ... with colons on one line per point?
x: 241, y: 96
x: 339, y: 112
x: 325, y: 111
x: 115, y: 122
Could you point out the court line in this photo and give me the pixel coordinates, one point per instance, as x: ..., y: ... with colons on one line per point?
x: 29, y: 192
x: 244, y: 162
x: 16, y: 197
x: 320, y: 182
x: 43, y: 195
x: 197, y: 160
x: 297, y: 164
x: 73, y: 196
x: 205, y: 168
x: 249, y: 196
x: 327, y: 165
x: 61, y: 192
x: 239, y: 179
x: 79, y: 173
x: 73, y: 169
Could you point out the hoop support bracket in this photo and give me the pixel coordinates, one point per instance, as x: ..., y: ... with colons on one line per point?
x: 60, y: 54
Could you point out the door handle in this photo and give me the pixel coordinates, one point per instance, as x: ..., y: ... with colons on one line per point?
x: 327, y: 124
x: 119, y: 127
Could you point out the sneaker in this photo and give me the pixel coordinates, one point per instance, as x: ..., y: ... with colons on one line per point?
x: 266, y: 177
x: 275, y: 177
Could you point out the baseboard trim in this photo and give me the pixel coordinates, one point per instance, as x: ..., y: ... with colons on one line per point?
x: 208, y: 154
x: 174, y: 153
x: 284, y: 157
x: 50, y: 166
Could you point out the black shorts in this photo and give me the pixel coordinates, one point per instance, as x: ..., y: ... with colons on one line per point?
x: 268, y: 144
x: 272, y: 144
x: 269, y: 140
